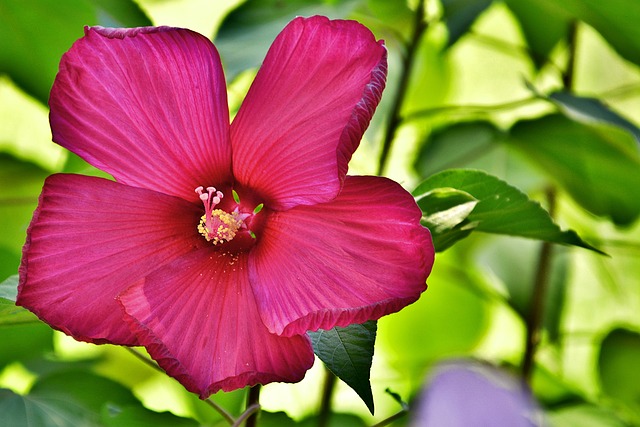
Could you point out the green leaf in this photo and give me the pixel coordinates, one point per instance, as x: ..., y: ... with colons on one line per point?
x: 138, y: 416
x: 35, y: 33
x: 616, y: 20
x: 84, y: 388
x: 248, y: 31
x: 584, y: 415
x: 459, y: 15
x: 618, y: 366
x: 501, y: 208
x: 10, y: 314
x: 20, y: 185
x: 591, y: 111
x: 445, y: 213
x: 542, y: 28
x: 25, y: 342
x: 596, y: 164
x: 348, y: 353
x: 52, y: 411
x: 120, y: 13
x: 334, y: 420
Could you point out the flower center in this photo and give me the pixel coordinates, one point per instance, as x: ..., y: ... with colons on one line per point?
x: 217, y: 225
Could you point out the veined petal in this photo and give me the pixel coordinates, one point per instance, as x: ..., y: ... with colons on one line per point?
x: 147, y: 105
x: 306, y: 111
x: 90, y: 239
x: 198, y: 319
x: 356, y: 258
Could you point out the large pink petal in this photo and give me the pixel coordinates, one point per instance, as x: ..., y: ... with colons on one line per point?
x: 90, y: 239
x: 198, y: 319
x: 359, y: 257
x: 147, y: 105
x: 306, y: 111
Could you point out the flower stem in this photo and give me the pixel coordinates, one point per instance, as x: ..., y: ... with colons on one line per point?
x: 253, y: 407
x: 395, y: 119
x: 227, y: 416
x: 536, y: 313
x: 327, y: 394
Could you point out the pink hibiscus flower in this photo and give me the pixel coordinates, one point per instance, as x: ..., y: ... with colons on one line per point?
x: 220, y: 285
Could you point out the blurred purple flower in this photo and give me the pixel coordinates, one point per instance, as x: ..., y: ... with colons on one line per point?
x: 470, y: 394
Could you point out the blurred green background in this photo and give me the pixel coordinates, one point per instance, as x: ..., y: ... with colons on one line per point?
x: 544, y: 95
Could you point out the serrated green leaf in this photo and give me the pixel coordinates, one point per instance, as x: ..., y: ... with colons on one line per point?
x: 348, y: 353
x: 591, y: 111
x: 445, y: 212
x: 596, y: 164
x: 501, y: 208
x: 459, y: 15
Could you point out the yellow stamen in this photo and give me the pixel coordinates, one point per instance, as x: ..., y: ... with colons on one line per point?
x: 220, y: 227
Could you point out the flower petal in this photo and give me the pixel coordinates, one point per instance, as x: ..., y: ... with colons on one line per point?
x: 306, y: 111
x: 357, y: 258
x: 198, y: 319
x: 147, y: 105
x: 90, y: 239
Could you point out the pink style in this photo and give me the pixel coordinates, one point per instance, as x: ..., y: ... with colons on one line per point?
x: 218, y: 246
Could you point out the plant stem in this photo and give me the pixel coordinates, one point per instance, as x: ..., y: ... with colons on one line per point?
x: 253, y: 407
x: 541, y: 281
x: 568, y: 77
x: 251, y: 410
x: 536, y: 313
x: 227, y: 416
x: 419, y: 27
x: 392, y: 418
x: 327, y: 394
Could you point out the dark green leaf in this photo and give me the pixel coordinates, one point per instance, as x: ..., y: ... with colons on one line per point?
x: 139, y: 416
x: 248, y: 31
x: 276, y: 419
x: 10, y: 314
x: 597, y: 164
x: 83, y: 388
x: 348, y: 353
x: 35, y: 33
x: 335, y: 420
x: 459, y: 15
x: 502, y: 209
x: 618, y: 366
x: 52, y: 411
x: 616, y: 20
x: 542, y: 28
x: 591, y: 111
